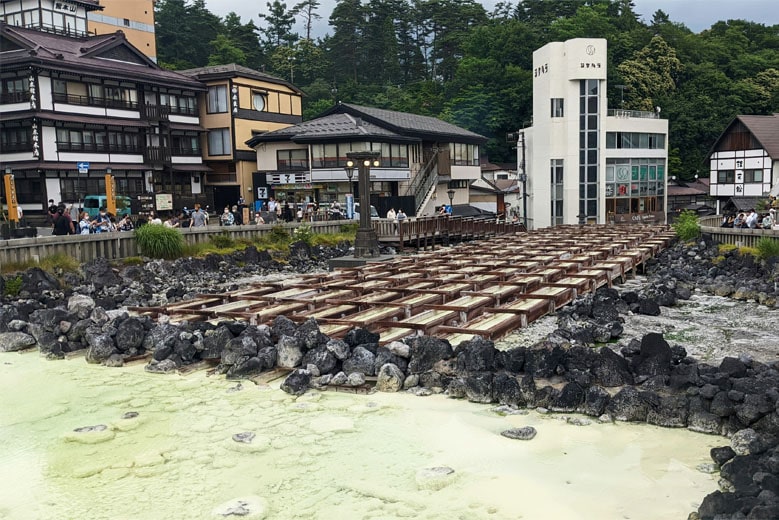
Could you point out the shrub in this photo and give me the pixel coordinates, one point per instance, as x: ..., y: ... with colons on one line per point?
x: 767, y: 248
x: 13, y: 286
x: 278, y: 235
x: 349, y: 228
x: 303, y: 233
x: 223, y: 240
x: 160, y: 241
x: 686, y: 226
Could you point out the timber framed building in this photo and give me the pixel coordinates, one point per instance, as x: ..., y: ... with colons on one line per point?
x: 97, y: 102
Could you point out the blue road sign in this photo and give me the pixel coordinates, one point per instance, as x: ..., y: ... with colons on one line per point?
x: 83, y: 167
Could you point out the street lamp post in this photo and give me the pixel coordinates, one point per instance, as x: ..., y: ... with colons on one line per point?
x: 522, y: 177
x: 366, y: 243
x: 450, y: 192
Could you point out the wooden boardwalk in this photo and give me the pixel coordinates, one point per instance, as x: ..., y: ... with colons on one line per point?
x: 485, y: 288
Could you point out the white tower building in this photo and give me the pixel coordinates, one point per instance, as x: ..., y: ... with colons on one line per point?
x: 584, y: 161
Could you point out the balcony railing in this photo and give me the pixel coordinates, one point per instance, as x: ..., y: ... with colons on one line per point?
x: 67, y: 31
x: 155, y: 112
x: 185, y: 151
x: 640, y: 114
x: 98, y: 148
x: 14, y: 97
x: 72, y: 99
x: 156, y: 155
x: 16, y: 147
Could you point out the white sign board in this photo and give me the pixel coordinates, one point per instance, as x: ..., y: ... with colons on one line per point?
x: 164, y: 201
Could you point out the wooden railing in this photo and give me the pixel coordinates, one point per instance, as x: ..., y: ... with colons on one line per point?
x: 115, y: 246
x: 710, y: 226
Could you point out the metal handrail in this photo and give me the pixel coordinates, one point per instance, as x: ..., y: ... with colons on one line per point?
x: 425, y: 178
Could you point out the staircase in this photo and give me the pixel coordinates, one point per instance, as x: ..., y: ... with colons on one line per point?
x: 423, y: 185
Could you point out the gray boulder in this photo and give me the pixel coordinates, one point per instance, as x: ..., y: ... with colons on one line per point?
x: 339, y: 348
x: 214, y: 342
x: 130, y: 334
x: 309, y: 334
x: 525, y: 433
x: 362, y: 360
x: 322, y: 358
x: 654, y: 357
x: 390, y: 378
x: 628, y: 405
x: 297, y: 382
x: 13, y: 341
x: 101, y: 347
x: 81, y: 305
x: 426, y: 351
x: 290, y: 351
x: 611, y: 369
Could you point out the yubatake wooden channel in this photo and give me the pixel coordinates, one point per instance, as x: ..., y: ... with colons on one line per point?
x: 485, y: 288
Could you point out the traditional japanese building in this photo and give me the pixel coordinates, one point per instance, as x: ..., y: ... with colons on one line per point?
x: 71, y: 107
x: 581, y: 160
x: 744, y: 161
x: 239, y: 103
x: 420, y: 159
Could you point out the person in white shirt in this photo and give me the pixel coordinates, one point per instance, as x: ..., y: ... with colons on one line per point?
x: 752, y: 219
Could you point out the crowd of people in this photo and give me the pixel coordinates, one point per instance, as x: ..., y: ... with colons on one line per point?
x: 751, y: 220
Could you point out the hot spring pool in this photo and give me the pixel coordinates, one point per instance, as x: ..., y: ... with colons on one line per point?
x: 321, y: 456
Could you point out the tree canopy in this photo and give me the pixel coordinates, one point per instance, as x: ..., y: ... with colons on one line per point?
x: 453, y: 60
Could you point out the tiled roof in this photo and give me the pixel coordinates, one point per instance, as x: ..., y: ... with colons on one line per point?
x: 232, y: 70
x: 744, y: 203
x: 409, y: 124
x: 345, y: 121
x: 60, y: 52
x: 328, y: 128
x: 766, y: 131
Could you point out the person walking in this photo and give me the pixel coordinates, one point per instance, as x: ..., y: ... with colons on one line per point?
x: 198, y: 217
x: 84, y: 224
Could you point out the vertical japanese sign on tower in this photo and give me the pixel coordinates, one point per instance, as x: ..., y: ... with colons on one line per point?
x: 110, y: 194
x: 10, y: 195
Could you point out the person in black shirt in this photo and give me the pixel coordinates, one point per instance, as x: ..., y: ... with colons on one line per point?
x: 63, y: 225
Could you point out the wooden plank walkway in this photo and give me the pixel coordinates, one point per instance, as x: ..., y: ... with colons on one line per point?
x: 485, y: 288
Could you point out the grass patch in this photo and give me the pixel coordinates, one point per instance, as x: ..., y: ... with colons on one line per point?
x: 13, y: 286
x: 55, y: 264
x: 160, y: 241
x: 132, y: 260
x: 726, y: 248
x: 223, y: 240
x: 748, y: 251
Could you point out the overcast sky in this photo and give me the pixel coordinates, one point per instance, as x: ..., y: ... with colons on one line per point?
x: 697, y: 15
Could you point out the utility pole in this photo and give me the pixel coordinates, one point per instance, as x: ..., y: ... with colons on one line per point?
x: 522, y: 177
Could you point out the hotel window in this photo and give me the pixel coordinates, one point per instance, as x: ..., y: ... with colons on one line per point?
x: 557, y: 107
x: 219, y: 141
x: 258, y: 101
x: 14, y: 90
x: 464, y: 154
x: 753, y: 175
x: 292, y: 160
x: 217, y: 99
x: 726, y: 176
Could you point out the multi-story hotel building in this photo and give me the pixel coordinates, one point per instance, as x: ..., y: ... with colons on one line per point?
x: 135, y: 18
x: 72, y: 107
x: 582, y: 160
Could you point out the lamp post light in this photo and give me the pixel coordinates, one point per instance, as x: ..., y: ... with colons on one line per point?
x: 450, y: 192
x: 366, y: 243
x: 349, y: 168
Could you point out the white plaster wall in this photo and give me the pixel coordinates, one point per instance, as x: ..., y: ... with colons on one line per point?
x: 46, y: 94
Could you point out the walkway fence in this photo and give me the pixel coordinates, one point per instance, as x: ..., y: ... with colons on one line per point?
x: 710, y: 226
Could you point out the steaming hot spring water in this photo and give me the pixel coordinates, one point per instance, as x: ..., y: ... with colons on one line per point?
x: 82, y: 441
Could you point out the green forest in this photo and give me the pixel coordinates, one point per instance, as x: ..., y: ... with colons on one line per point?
x: 454, y: 60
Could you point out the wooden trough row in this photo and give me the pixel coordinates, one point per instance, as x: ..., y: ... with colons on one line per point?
x: 487, y: 288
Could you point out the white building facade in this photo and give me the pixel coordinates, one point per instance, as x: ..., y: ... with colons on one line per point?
x: 583, y: 161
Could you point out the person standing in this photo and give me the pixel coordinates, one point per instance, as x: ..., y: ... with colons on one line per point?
x: 391, y: 214
x: 84, y: 224
x: 51, y: 213
x: 63, y: 224
x: 237, y: 215
x: 198, y: 217
x: 752, y: 219
x: 227, y: 218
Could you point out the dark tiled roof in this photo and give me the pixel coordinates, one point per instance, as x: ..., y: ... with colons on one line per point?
x: 54, y: 51
x: 744, y: 203
x: 404, y: 123
x: 232, y: 70
x: 766, y: 131
x: 329, y: 128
